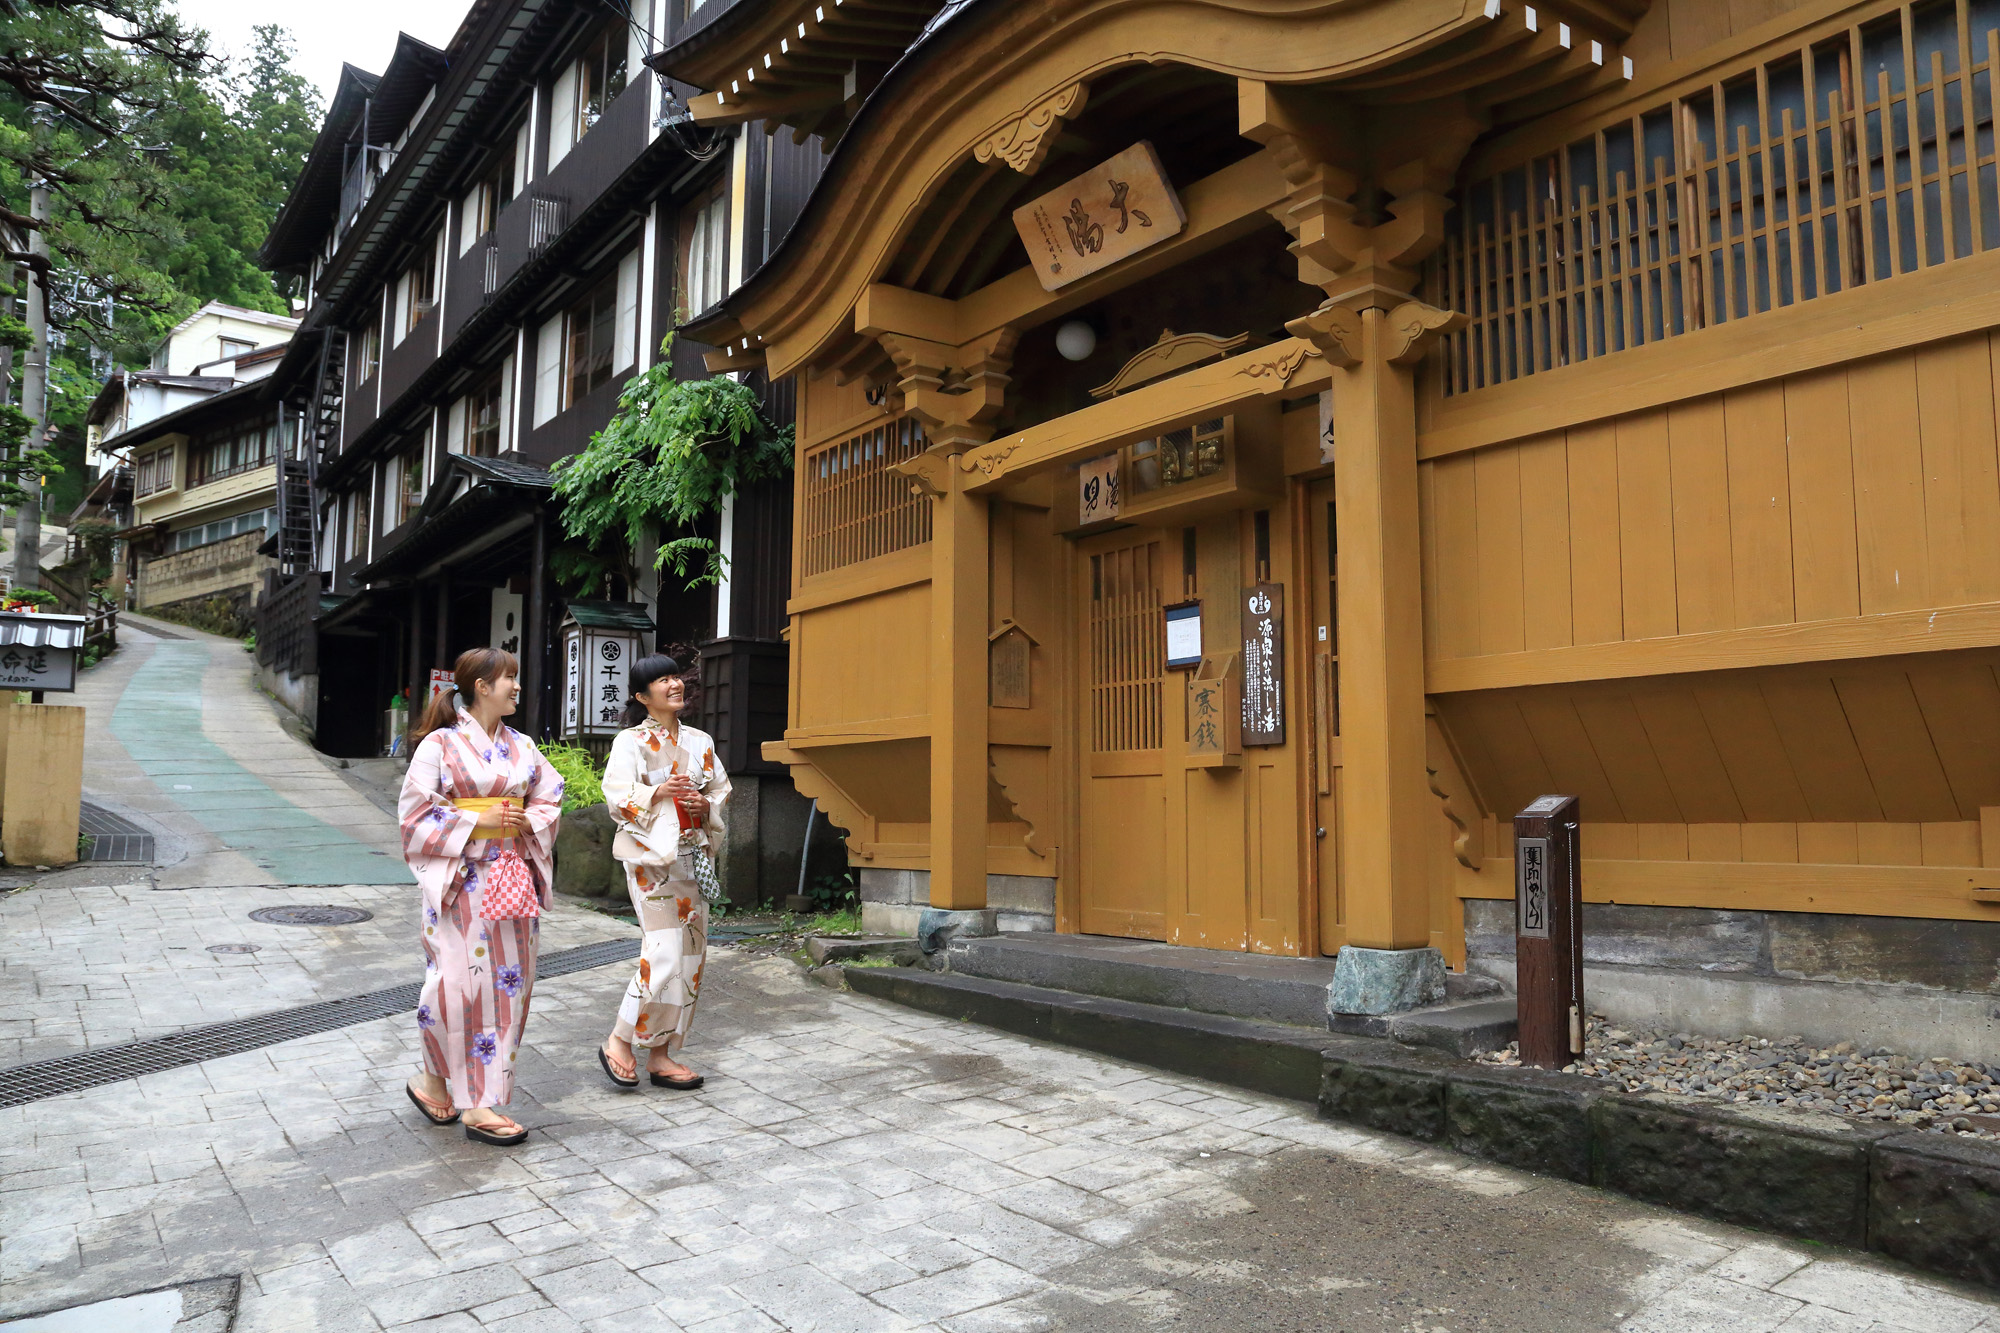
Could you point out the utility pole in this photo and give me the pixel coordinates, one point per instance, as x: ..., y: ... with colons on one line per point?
x: 34, y: 388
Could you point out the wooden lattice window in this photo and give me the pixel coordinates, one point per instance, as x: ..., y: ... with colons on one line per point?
x: 1127, y: 649
x: 1846, y: 162
x: 852, y: 506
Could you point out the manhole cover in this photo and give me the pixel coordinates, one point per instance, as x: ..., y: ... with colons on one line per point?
x: 310, y: 916
x: 232, y: 948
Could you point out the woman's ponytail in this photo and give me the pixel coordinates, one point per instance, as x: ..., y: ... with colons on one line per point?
x: 440, y: 712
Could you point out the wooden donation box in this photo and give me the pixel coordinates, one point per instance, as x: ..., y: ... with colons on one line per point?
x: 1548, y: 932
x: 600, y: 642
x: 41, y: 745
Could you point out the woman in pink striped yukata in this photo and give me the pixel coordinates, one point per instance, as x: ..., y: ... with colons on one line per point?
x: 479, y: 813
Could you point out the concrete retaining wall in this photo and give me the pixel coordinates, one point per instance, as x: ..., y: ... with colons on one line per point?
x: 1920, y: 986
x: 892, y: 900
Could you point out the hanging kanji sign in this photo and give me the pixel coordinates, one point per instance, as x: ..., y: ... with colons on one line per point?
x: 1091, y: 222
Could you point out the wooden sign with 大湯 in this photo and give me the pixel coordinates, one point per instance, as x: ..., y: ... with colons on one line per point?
x: 1099, y: 218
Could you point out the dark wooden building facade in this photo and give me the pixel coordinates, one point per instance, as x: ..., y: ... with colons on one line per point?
x: 495, y: 238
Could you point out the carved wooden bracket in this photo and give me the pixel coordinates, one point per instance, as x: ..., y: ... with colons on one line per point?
x: 1024, y: 144
x: 1461, y: 843
x: 956, y: 392
x: 1021, y: 773
x: 1335, y: 330
x: 929, y: 472
x: 1413, y: 328
x: 840, y: 809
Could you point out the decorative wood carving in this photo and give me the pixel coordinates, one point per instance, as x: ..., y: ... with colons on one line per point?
x: 1022, y: 774
x: 1461, y: 843
x: 1024, y: 144
x: 929, y: 472
x: 988, y: 459
x: 1173, y: 352
x: 1412, y: 327
x: 1280, y: 366
x: 1334, y: 330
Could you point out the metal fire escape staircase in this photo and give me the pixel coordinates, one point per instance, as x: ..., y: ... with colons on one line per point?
x: 298, y: 509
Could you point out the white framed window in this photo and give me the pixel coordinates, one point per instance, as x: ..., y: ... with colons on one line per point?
x: 585, y: 88
x: 480, y: 210
x: 707, y: 253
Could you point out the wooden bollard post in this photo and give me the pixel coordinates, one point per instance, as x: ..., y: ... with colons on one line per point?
x: 1548, y: 932
x: 44, y: 784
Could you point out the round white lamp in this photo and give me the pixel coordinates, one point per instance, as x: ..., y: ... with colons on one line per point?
x: 1076, y: 340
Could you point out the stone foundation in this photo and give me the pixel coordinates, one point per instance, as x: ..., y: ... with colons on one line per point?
x: 892, y: 901
x: 1919, y: 987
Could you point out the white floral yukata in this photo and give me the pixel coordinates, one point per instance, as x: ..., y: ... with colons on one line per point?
x: 478, y: 974
x: 658, y: 1008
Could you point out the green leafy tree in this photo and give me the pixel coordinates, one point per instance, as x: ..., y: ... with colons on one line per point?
x: 669, y: 457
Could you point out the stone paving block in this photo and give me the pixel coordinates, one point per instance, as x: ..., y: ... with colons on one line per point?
x: 959, y: 1290
x: 443, y: 1293
x: 802, y: 1297
x: 590, y: 1291
x: 1796, y: 1175
x: 1890, y: 1298
x: 1934, y: 1201
x: 1713, y: 1305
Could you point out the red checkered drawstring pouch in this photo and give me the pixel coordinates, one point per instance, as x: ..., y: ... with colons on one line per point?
x: 510, y: 889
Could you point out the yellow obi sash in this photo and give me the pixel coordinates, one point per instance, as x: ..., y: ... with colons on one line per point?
x: 479, y: 805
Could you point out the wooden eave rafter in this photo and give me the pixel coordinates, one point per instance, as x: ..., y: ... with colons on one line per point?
x: 805, y: 65
x: 1482, y: 57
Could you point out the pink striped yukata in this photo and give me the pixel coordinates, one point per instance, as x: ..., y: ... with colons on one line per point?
x: 477, y: 973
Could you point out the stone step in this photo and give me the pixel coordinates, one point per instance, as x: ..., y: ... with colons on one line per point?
x: 1255, y: 987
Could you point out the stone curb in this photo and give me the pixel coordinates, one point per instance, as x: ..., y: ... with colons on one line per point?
x: 1928, y: 1200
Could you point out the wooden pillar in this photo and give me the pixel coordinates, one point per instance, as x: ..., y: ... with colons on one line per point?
x: 419, y: 692
x: 960, y: 542
x: 961, y: 610
x: 535, y: 633
x: 1385, y: 784
x: 441, y: 651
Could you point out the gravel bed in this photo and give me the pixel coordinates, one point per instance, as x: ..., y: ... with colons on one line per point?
x: 1947, y: 1096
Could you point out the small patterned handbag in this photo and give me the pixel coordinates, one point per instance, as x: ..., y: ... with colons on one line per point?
x: 703, y: 866
x: 510, y: 889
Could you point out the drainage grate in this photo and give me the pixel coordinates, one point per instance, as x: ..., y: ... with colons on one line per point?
x: 233, y: 948
x: 310, y: 916
x: 113, y: 837
x: 22, y: 1084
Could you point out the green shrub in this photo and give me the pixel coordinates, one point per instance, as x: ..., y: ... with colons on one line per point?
x: 583, y: 780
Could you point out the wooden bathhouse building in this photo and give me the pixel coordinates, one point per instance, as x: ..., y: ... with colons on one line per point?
x: 1247, y: 450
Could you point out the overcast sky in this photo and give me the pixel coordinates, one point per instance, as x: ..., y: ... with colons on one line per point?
x: 329, y: 33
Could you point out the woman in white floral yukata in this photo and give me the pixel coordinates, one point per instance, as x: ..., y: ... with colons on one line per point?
x: 479, y: 813
x: 665, y: 789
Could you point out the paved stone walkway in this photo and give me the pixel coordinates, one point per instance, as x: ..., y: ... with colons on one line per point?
x: 851, y: 1166
x: 180, y: 738
x: 97, y: 964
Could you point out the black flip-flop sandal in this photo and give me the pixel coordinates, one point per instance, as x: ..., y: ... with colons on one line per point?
x: 425, y: 1107
x: 604, y: 1058
x: 480, y: 1134
x: 678, y: 1084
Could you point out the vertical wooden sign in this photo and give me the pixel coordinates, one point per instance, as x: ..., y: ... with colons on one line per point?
x: 1264, y: 664
x: 1548, y: 931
